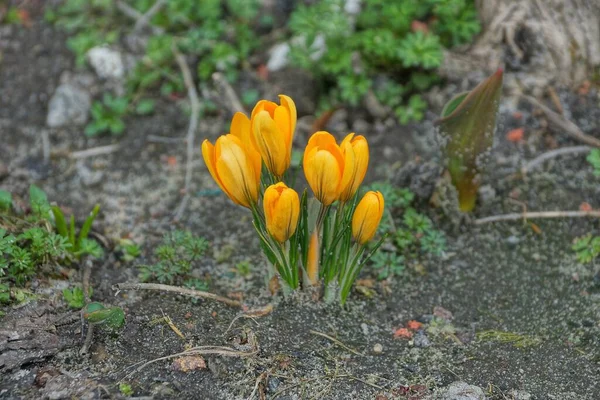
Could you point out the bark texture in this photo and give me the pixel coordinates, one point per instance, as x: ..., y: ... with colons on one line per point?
x: 540, y: 42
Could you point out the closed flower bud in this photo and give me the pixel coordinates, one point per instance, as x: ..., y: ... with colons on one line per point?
x: 273, y: 129
x: 282, y: 207
x: 356, y: 156
x: 367, y: 216
x: 324, y: 166
x: 235, y: 167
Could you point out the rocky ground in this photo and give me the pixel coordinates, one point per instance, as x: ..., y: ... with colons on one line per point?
x: 505, y: 313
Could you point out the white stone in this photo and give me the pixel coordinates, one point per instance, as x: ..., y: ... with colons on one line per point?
x: 278, y: 57
x: 107, y: 63
x: 69, y: 105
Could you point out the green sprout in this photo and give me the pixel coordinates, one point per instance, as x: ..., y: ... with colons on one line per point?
x: 468, y: 123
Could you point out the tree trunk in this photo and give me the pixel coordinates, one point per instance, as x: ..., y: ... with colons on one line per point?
x: 539, y: 42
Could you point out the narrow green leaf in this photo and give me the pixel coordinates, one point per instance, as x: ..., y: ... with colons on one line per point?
x: 59, y: 219
x: 87, y: 225
x: 72, y: 233
x: 5, y: 200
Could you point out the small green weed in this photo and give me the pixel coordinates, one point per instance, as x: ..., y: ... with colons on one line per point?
x: 75, y: 298
x: 107, y: 116
x: 412, y: 234
x: 243, y: 268
x: 128, y: 249
x: 594, y: 159
x: 175, y: 257
x: 587, y: 248
x: 125, y: 389
x: 30, y: 241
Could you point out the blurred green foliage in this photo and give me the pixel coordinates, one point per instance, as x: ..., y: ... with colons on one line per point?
x: 391, y: 47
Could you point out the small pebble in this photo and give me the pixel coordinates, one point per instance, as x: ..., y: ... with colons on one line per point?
x: 378, y: 348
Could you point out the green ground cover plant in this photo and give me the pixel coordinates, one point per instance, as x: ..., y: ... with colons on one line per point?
x: 391, y: 47
x: 175, y: 257
x: 410, y: 235
x: 38, y: 239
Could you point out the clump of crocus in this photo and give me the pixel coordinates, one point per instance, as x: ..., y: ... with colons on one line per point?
x: 468, y: 123
x: 328, y: 246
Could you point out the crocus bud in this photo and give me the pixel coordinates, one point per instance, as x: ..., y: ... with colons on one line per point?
x: 324, y: 166
x: 282, y: 207
x: 367, y: 216
x: 273, y: 129
x: 234, y: 167
x: 356, y: 156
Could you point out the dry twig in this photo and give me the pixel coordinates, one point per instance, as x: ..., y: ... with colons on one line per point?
x: 334, y: 340
x: 570, y: 128
x: 145, y: 18
x: 193, y: 126
x: 197, y: 351
x: 551, y: 154
x: 95, y: 151
x: 235, y: 104
x: 539, y: 214
x: 134, y: 14
x: 178, y: 290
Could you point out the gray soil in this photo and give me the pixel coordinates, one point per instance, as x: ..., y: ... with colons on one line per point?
x: 502, y: 277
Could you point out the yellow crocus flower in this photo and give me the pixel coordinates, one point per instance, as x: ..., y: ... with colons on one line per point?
x: 356, y: 151
x: 367, y: 216
x: 324, y: 165
x: 234, y: 167
x: 273, y: 128
x: 282, y: 208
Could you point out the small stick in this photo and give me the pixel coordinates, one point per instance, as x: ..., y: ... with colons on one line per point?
x: 260, y: 378
x: 235, y: 104
x: 193, y: 126
x: 45, y: 145
x: 134, y: 14
x: 172, y: 325
x: 145, y: 19
x: 164, y: 139
x: 334, y: 340
x: 200, y: 350
x: 551, y: 154
x: 538, y: 214
x: 95, y: 151
x: 178, y: 290
x: 570, y: 128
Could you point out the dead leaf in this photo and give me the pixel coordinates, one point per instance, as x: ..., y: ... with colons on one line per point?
x: 402, y: 333
x: 274, y: 285
x: 414, y: 325
x: 370, y: 283
x: 188, y: 363
x: 535, y: 228
x: 260, y: 312
x: 515, y: 135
